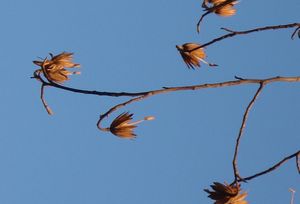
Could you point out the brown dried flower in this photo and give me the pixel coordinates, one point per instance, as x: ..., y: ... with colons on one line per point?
x: 122, y: 126
x: 226, y: 194
x: 55, y: 67
x: 225, y: 10
x: 192, y: 55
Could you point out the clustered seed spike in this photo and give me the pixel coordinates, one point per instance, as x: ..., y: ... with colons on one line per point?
x: 226, y: 194
x: 55, y: 67
x: 192, y: 54
x: 220, y: 7
x: 122, y: 126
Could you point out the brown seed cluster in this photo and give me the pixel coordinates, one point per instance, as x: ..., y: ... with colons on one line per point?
x: 54, y: 69
x: 227, y: 9
x: 226, y: 194
x: 122, y: 126
x: 190, y: 55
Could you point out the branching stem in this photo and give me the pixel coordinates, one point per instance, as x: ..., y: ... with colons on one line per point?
x: 245, y: 117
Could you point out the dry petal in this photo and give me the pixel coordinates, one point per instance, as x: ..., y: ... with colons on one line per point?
x: 226, y: 194
x: 121, y: 126
x: 55, y: 67
x: 191, y: 55
x: 226, y: 10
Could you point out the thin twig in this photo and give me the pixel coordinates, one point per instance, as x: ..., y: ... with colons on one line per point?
x: 120, y: 106
x: 48, y: 109
x: 292, y: 195
x: 178, y: 88
x: 196, y: 87
x: 297, y: 30
x: 211, y: 10
x: 200, y: 20
x: 271, y: 168
x: 97, y: 93
x: 298, y: 161
x: 234, y: 33
x: 245, y: 117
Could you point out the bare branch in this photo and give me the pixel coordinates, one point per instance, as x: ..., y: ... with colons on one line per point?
x: 298, y: 162
x: 48, y: 109
x: 292, y: 195
x: 179, y: 88
x: 234, y: 33
x: 200, y: 20
x: 120, y: 106
x: 297, y: 30
x: 271, y: 168
x: 234, y: 162
x: 202, y: 86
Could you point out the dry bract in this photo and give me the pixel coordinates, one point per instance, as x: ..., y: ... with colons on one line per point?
x: 55, y: 67
x: 226, y: 194
x: 122, y: 126
x: 225, y: 10
x: 191, y: 58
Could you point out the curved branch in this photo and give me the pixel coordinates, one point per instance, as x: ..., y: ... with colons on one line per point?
x: 271, y: 168
x: 97, y: 93
x: 245, y: 117
x: 200, y: 20
x: 46, y: 106
x: 211, y: 10
x: 239, y: 81
x: 117, y: 107
x: 297, y: 30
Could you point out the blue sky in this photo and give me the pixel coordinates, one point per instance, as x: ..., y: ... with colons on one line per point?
x: 130, y: 46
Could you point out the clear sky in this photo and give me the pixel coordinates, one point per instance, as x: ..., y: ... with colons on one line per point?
x: 130, y: 46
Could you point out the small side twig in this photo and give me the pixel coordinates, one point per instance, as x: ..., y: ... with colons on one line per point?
x: 48, y: 109
x: 200, y: 20
x: 228, y: 30
x: 243, y: 125
x: 118, y: 107
x: 210, y: 10
x: 234, y: 33
x: 297, y: 30
x: 298, y: 161
x: 274, y: 167
x: 165, y: 90
x: 292, y: 195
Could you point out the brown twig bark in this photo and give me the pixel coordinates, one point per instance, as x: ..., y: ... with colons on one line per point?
x: 234, y: 33
x: 46, y: 106
x: 274, y: 167
x: 292, y: 195
x: 239, y: 81
x: 245, y: 117
x: 297, y: 31
x: 298, y: 161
